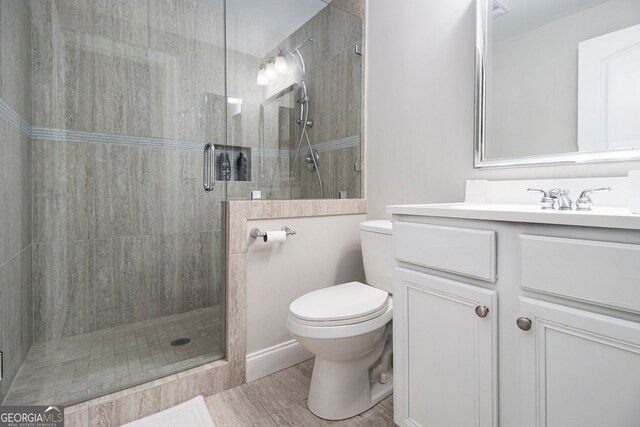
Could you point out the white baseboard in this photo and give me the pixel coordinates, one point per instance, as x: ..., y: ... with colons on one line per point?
x: 273, y: 359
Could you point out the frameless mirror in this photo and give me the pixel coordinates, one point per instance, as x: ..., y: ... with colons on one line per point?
x: 557, y: 81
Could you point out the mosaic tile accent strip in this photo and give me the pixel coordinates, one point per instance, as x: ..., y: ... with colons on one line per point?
x: 350, y: 141
x: 107, y: 138
x: 272, y: 152
x: 168, y: 143
x: 9, y: 114
x: 52, y: 134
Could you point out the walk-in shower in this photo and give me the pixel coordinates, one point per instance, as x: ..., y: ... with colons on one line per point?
x: 112, y: 254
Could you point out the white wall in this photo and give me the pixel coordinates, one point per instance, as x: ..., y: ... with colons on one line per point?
x: 324, y: 252
x: 419, y: 112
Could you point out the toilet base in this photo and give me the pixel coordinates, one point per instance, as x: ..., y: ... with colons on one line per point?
x: 342, y: 390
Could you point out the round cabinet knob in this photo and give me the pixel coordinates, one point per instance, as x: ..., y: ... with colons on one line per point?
x: 523, y: 323
x: 482, y: 311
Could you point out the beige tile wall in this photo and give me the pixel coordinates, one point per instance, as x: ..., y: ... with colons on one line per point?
x: 124, y: 232
x: 15, y: 188
x: 334, y: 77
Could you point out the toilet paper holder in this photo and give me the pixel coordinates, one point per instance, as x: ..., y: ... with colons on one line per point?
x: 256, y: 233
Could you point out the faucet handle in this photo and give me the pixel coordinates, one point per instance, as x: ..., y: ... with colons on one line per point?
x: 546, y: 202
x: 584, y: 202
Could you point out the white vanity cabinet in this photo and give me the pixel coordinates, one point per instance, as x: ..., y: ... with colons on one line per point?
x: 448, y: 371
x: 515, y: 324
x: 578, y: 368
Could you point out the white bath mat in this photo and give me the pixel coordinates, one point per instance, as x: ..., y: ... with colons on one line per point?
x: 192, y: 413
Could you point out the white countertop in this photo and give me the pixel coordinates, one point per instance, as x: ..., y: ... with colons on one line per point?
x: 608, y: 217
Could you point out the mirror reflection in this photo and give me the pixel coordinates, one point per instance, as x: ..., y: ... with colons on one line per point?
x: 562, y: 76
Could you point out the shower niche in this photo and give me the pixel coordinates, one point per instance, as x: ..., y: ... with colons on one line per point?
x: 239, y: 166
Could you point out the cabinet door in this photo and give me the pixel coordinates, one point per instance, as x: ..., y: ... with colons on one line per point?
x: 444, y: 352
x: 578, y: 368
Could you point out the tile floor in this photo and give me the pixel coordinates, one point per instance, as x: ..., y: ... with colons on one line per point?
x: 280, y: 399
x: 73, y: 369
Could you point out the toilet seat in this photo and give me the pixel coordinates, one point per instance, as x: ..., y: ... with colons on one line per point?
x: 344, y: 304
x: 300, y: 329
x: 352, y: 321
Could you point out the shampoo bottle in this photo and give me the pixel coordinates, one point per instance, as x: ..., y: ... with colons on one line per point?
x: 225, y: 167
x: 241, y: 167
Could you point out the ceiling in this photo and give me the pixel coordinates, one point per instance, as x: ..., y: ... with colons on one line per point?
x: 525, y: 15
x: 281, y: 16
x: 256, y: 27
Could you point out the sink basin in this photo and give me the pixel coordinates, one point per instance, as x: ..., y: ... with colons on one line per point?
x: 598, y: 210
x: 497, y: 207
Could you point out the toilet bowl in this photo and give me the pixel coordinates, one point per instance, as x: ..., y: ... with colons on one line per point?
x: 348, y: 328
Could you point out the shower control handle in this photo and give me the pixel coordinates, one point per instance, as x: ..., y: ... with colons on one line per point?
x: 208, y: 175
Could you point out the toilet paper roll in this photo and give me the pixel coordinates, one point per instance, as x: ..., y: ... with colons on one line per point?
x: 634, y: 191
x: 275, y: 236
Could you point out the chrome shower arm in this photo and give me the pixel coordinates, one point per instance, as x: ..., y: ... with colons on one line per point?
x: 301, y: 66
x: 296, y: 52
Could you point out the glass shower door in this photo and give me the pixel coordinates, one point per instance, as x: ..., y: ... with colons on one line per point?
x: 128, y: 248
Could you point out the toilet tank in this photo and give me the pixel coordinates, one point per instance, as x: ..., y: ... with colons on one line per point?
x: 375, y: 238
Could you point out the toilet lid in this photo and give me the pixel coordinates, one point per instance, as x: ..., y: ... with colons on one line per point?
x: 342, y: 302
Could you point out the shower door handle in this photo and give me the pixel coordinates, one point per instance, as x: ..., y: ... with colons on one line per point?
x: 208, y: 172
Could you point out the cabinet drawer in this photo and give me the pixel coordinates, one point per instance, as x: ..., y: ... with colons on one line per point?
x: 463, y: 251
x: 602, y: 273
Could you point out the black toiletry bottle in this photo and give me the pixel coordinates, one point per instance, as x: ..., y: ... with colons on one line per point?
x: 225, y: 167
x: 241, y: 164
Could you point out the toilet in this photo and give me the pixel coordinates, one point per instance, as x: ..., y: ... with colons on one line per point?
x: 348, y: 327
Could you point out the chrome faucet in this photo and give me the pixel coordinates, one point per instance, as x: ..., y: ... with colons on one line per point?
x: 546, y: 202
x: 584, y: 202
x: 558, y: 198
x: 561, y: 198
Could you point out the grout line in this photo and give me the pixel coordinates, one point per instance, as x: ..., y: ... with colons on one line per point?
x: 250, y: 391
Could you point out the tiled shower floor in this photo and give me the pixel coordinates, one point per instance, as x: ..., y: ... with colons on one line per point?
x: 73, y: 369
